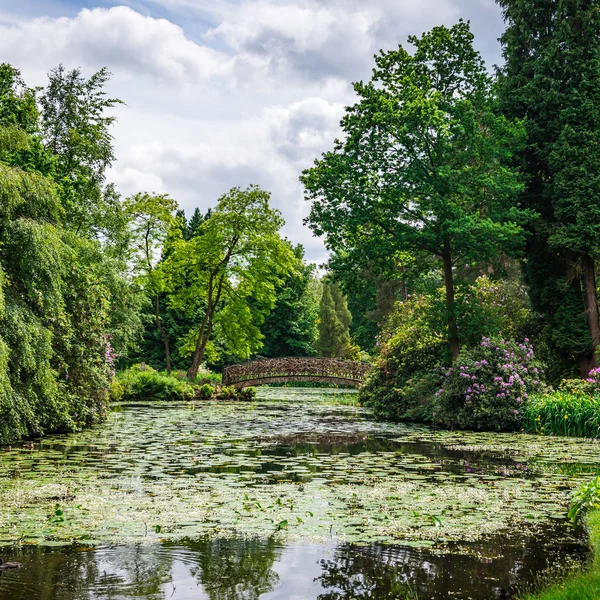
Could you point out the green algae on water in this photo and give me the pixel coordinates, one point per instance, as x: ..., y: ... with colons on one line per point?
x: 292, y: 465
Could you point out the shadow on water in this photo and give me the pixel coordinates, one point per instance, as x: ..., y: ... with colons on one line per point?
x: 235, y: 569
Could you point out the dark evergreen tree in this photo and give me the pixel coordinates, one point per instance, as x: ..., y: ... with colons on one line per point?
x: 291, y: 328
x: 552, y: 77
x: 334, y: 322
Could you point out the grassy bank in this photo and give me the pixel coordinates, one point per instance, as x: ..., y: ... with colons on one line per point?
x: 584, y: 583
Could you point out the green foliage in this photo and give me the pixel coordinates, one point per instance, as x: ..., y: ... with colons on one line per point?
x: 66, y: 305
x: 334, y: 322
x: 586, y: 498
x: 76, y: 131
x: 550, y: 77
x: 489, y: 386
x: 205, y: 392
x: 424, y: 164
x: 290, y: 329
x: 232, y: 267
x: 403, y: 380
x: 563, y: 413
x: 137, y: 383
x: 493, y: 307
x: 150, y: 219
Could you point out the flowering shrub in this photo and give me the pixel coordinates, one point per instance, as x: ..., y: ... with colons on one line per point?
x: 488, y: 386
x: 589, y: 386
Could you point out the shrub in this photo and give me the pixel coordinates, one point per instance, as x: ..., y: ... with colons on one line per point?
x: 489, y: 386
x: 208, y: 391
x: 590, y: 385
x: 144, y: 383
x: 410, y: 349
x: 585, y: 498
x: 563, y: 413
x: 205, y: 391
x: 494, y: 308
x: 247, y: 394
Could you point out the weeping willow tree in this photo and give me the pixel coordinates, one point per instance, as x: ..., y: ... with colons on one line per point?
x: 64, y: 301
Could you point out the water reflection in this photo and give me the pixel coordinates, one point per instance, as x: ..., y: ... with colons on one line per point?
x: 490, y: 570
x: 234, y: 569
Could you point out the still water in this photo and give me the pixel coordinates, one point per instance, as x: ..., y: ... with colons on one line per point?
x: 298, y: 496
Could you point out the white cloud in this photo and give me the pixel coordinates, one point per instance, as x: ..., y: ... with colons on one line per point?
x: 120, y: 38
x: 238, y: 92
x: 311, y: 37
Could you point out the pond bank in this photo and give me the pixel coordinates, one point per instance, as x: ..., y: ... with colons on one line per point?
x: 583, y: 583
x: 302, y: 475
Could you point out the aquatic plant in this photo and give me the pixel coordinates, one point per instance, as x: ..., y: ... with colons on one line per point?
x: 243, y: 468
x: 586, y: 498
x: 563, y: 413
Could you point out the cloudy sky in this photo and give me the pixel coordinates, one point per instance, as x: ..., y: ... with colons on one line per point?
x: 223, y: 93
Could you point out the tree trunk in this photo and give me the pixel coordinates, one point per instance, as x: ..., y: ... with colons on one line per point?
x: 451, y: 317
x: 163, y: 332
x: 403, y: 291
x: 206, y: 328
x: 200, y: 345
x: 591, y: 305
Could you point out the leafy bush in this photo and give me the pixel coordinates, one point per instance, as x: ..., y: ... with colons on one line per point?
x: 493, y: 308
x: 246, y: 394
x: 489, y: 386
x: 590, y: 385
x: 205, y: 391
x: 586, y: 497
x: 410, y: 349
x: 563, y: 413
x: 144, y: 383
x: 222, y: 392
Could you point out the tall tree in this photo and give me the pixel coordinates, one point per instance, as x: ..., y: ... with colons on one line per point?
x: 552, y: 77
x: 423, y: 164
x: 151, y: 217
x: 334, y: 322
x: 64, y: 297
x: 232, y: 265
x: 76, y: 130
x: 290, y: 329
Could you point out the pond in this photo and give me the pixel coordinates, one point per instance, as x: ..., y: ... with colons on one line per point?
x: 298, y: 495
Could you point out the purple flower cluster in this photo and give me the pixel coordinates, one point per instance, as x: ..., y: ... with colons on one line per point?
x: 110, y: 356
x: 594, y: 376
x: 493, y: 380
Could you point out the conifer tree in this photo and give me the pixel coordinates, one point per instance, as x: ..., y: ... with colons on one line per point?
x: 552, y: 77
x: 334, y: 322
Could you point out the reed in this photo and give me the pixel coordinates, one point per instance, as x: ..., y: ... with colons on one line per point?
x: 563, y: 413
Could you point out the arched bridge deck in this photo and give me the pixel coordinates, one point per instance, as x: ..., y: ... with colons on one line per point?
x: 285, y: 370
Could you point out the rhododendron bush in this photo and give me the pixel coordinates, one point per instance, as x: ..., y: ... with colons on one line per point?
x: 489, y: 385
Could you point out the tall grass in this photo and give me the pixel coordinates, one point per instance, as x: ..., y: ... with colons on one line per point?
x: 563, y: 413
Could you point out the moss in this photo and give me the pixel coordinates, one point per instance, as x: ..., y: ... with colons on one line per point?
x: 583, y: 584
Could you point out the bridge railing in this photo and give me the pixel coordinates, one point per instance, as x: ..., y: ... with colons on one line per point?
x: 295, y: 367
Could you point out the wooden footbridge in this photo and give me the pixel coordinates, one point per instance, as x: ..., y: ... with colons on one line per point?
x: 284, y: 370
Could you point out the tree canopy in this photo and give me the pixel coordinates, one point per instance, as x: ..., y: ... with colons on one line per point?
x: 232, y: 265
x: 424, y: 164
